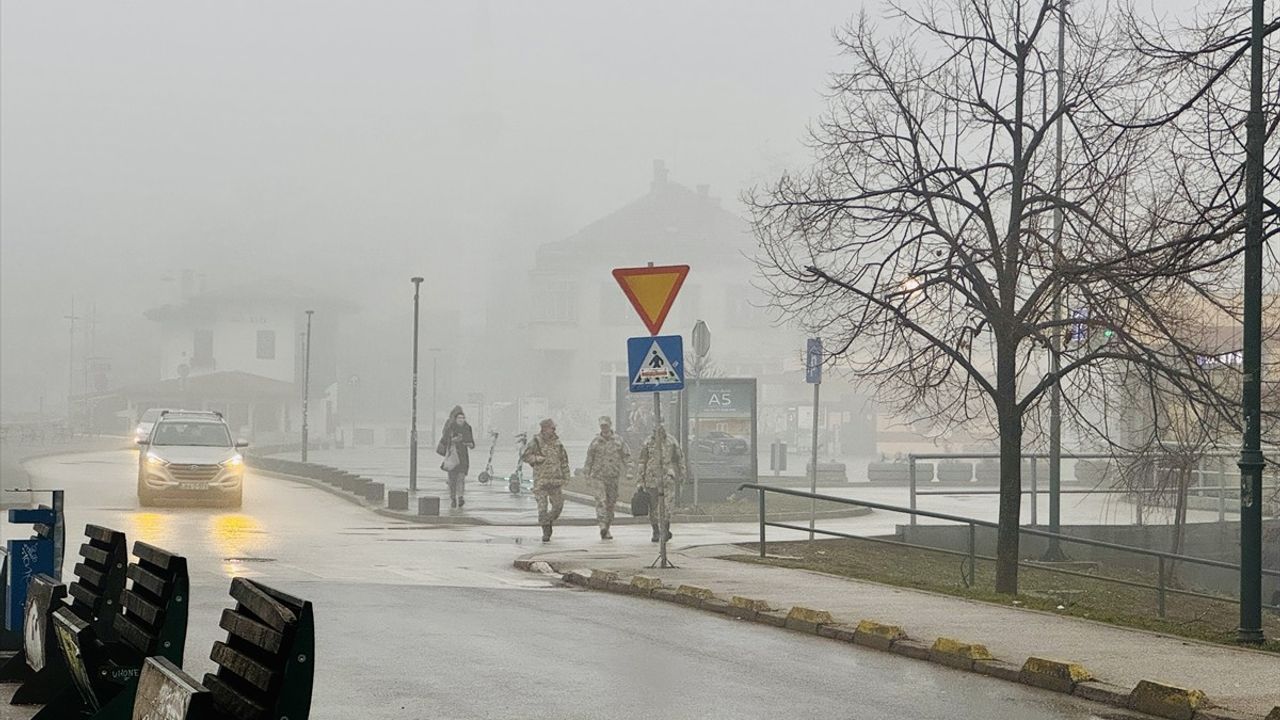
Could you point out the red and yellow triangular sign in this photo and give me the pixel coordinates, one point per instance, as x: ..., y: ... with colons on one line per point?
x: 652, y: 290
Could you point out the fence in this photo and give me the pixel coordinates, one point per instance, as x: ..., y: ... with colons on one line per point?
x: 1164, y: 560
x: 1222, y: 491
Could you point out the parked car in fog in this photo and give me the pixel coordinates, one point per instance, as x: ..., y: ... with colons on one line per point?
x: 717, y: 442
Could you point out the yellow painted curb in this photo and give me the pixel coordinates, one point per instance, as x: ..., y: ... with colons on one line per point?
x: 807, y: 619
x: 645, y: 583
x: 602, y: 578
x: 1053, y: 674
x: 750, y: 604
x: 694, y: 591
x: 877, y: 635
x: 1165, y: 701
x: 958, y: 654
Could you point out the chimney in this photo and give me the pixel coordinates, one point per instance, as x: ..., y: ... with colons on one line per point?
x: 659, y: 176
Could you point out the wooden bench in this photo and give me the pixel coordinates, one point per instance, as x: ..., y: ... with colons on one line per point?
x: 265, y: 666
x: 151, y: 621
x: 94, y: 594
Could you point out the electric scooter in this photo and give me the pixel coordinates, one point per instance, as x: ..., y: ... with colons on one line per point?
x: 487, y: 474
x: 516, y: 481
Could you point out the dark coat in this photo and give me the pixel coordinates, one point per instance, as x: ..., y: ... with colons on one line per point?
x: 461, y: 437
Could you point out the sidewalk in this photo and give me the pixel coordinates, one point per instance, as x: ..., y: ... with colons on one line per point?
x: 1242, y: 681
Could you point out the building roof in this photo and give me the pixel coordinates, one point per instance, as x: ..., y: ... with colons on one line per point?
x: 224, y: 385
x: 279, y: 292
x: 670, y: 223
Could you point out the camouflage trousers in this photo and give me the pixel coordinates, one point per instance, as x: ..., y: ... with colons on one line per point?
x: 660, y: 506
x: 552, y: 495
x: 606, y: 500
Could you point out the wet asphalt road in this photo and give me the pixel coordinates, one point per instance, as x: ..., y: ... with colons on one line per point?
x: 416, y: 622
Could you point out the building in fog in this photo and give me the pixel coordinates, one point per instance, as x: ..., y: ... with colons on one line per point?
x: 576, y: 320
x: 239, y: 350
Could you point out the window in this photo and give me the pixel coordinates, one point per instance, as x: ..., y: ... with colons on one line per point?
x: 615, y: 309
x: 202, y: 349
x: 266, y: 344
x: 555, y: 301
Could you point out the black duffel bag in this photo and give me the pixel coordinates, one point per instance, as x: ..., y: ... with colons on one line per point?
x: 640, y: 503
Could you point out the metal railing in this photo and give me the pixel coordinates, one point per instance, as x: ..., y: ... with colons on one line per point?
x: 1164, y: 560
x: 1223, y: 489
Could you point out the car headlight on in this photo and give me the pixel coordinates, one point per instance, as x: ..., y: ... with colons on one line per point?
x: 235, y: 462
x: 154, y: 459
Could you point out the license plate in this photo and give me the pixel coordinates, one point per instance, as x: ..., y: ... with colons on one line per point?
x: 193, y: 486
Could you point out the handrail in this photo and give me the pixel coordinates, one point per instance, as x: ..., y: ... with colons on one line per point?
x: 974, y: 522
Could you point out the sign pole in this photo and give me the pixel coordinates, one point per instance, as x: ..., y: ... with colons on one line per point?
x: 664, y: 520
x: 813, y: 376
x: 813, y: 471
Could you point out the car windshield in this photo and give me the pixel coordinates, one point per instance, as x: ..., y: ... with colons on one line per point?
x: 201, y: 434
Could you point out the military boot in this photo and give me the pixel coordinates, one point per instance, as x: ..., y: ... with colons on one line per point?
x: 605, y: 534
x: 655, y: 532
x: 546, y: 533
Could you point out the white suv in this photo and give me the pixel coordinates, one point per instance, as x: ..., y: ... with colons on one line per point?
x: 190, y: 455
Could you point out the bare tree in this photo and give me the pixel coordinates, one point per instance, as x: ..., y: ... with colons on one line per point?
x: 930, y: 240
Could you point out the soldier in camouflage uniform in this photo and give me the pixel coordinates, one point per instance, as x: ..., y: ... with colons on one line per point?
x: 607, y: 460
x: 550, y: 464
x: 661, y: 483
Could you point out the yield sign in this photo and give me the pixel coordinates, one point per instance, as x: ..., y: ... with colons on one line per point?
x: 652, y: 290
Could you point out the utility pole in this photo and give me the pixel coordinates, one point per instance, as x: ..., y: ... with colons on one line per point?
x: 1054, y: 552
x: 1251, y: 462
x: 813, y: 376
x: 71, y: 357
x: 413, y: 413
x: 306, y: 385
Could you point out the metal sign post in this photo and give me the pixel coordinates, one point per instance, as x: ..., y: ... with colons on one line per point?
x: 813, y: 376
x: 655, y: 363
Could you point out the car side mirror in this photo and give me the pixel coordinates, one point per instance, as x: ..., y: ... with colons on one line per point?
x: 242, y: 443
x: 140, y: 442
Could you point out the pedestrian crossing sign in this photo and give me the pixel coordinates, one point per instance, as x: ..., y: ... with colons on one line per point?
x: 655, y: 363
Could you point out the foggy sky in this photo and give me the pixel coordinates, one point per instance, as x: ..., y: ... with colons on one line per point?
x: 351, y: 144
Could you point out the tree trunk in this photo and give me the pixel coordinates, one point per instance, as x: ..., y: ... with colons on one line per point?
x: 1009, y: 420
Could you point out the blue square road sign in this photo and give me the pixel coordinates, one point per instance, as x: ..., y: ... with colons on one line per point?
x: 655, y: 363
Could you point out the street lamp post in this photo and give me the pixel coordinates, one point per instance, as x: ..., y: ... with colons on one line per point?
x: 306, y: 385
x: 1251, y: 462
x: 413, y: 413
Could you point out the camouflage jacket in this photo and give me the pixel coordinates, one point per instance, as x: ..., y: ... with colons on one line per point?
x: 549, y: 459
x: 672, y: 474
x: 607, y: 458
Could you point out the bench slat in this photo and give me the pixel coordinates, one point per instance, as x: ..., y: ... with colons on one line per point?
x: 266, y: 608
x: 133, y: 633
x: 146, y: 579
x: 242, y: 666
x: 231, y: 702
x: 101, y: 534
x: 82, y: 593
x: 153, y: 555
x: 95, y: 555
x: 251, y: 631
x: 146, y: 611
x: 89, y: 575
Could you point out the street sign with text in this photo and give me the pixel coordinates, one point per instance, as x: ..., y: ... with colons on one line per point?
x: 813, y: 361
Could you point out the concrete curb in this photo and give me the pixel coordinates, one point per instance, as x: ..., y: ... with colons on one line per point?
x: 1166, y: 701
x: 1148, y: 697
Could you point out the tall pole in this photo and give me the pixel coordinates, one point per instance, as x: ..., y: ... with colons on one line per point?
x: 813, y: 464
x: 435, y: 367
x: 1251, y: 462
x: 664, y: 507
x: 71, y: 357
x: 306, y: 385
x: 413, y: 413
x: 1054, y: 551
